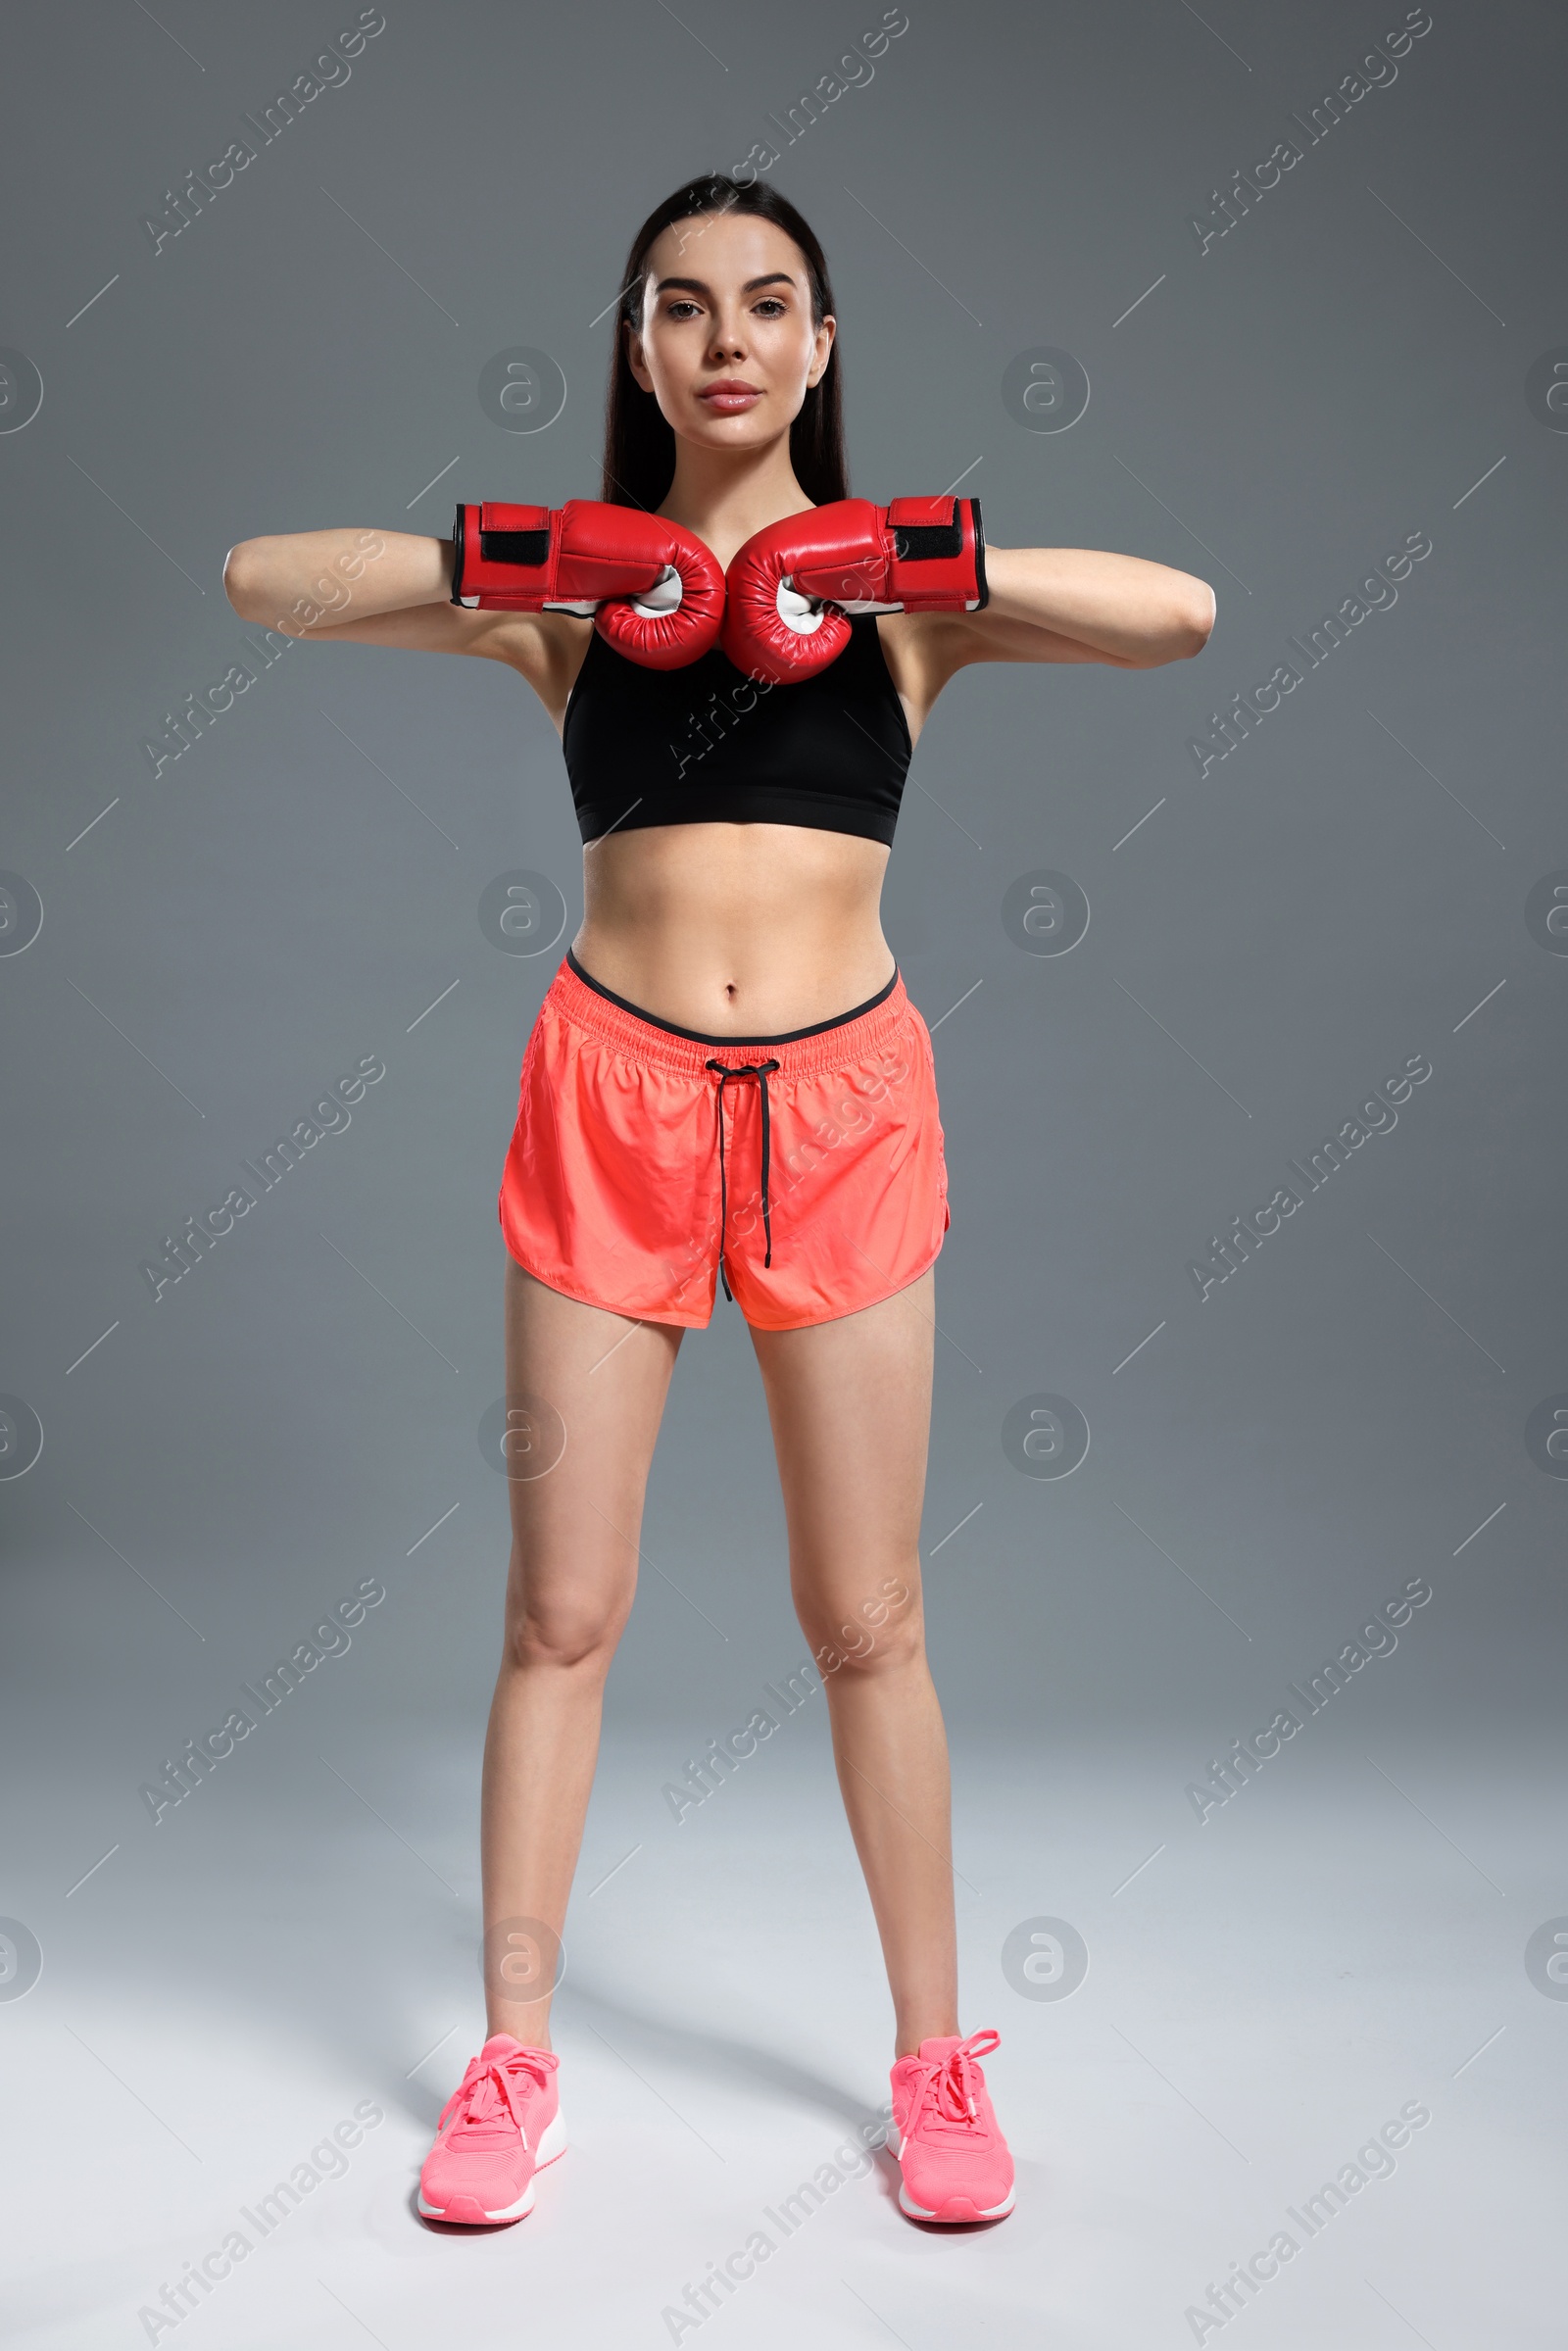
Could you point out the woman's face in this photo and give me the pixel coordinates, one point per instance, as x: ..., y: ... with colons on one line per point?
x: 726, y: 343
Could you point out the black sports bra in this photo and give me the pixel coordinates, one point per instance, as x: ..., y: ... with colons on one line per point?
x: 706, y: 745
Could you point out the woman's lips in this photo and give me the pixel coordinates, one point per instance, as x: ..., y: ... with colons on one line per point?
x: 729, y: 401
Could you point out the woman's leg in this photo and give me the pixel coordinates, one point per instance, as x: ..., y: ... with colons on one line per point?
x: 850, y: 1402
x: 575, y: 1534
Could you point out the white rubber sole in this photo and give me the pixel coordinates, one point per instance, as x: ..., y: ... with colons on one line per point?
x: 550, y: 2146
x: 943, y: 2213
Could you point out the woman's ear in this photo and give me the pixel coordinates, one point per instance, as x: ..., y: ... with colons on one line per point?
x: 634, y: 356
x: 824, y: 352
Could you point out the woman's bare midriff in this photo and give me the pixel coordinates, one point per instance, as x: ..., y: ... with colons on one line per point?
x: 738, y: 930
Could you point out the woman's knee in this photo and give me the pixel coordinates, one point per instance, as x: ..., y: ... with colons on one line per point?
x: 568, y: 1620
x: 883, y: 1633
x: 571, y: 1638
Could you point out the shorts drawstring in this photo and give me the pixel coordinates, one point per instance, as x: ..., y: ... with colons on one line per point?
x: 758, y: 1070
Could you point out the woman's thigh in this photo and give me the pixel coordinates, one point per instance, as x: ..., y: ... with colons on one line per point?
x: 585, y: 1395
x: 850, y: 1402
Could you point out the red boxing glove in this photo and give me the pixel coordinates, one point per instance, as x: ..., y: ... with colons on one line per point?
x: 790, y: 586
x: 653, y: 591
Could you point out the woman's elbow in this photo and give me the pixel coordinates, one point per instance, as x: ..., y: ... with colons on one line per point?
x: 1185, y: 627
x: 242, y: 578
x: 1197, y: 617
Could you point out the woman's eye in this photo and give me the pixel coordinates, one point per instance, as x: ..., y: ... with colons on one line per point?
x: 772, y: 306
x: 679, y: 309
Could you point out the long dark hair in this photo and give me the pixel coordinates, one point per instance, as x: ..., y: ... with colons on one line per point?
x: 639, y: 444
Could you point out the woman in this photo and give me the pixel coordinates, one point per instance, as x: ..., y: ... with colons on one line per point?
x: 694, y: 1063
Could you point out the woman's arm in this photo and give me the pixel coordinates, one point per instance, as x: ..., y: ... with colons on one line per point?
x: 387, y: 587
x: 312, y: 580
x: 1070, y: 603
x: 1052, y: 603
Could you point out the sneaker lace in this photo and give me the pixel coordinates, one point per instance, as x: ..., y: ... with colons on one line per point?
x: 493, y: 2088
x: 946, y: 2085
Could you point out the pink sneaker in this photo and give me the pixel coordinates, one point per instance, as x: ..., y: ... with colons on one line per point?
x: 500, y: 2126
x: 953, y: 2156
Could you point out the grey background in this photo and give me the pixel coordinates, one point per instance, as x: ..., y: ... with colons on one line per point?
x: 1275, y: 413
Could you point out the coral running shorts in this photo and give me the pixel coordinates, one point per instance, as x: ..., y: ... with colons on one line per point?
x: 808, y: 1170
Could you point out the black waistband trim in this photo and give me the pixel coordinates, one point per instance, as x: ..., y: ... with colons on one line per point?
x: 700, y: 1037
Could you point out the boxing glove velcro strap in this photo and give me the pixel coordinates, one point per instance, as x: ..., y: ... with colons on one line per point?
x: 514, y: 534
x: 919, y: 543
x: 512, y: 538
x: 526, y: 547
x: 924, y: 528
x: 937, y: 532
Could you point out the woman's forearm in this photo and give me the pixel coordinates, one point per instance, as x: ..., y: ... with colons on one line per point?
x: 1120, y: 605
x: 311, y: 579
